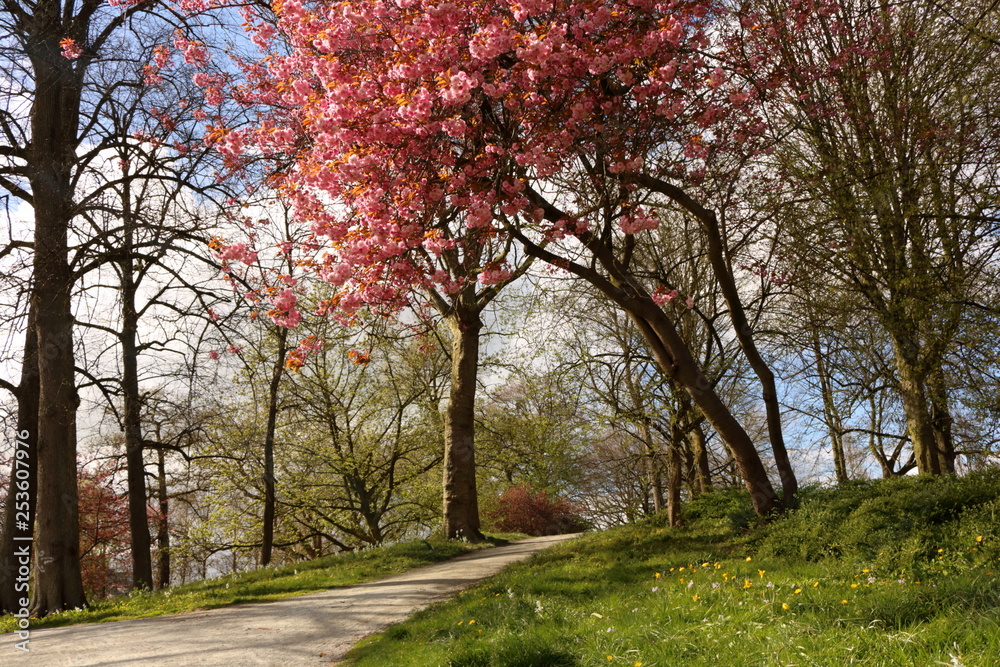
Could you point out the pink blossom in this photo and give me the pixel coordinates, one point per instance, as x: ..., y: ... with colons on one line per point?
x: 71, y: 50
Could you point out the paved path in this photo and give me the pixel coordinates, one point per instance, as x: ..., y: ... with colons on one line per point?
x: 313, y: 629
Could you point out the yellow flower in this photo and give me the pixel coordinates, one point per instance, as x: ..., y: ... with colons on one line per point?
x: 749, y: 559
x: 940, y: 551
x: 798, y: 590
x: 865, y: 571
x: 704, y: 564
x: 816, y: 585
x: 854, y: 585
x: 657, y: 575
x: 746, y: 583
x: 695, y: 598
x: 638, y: 664
x: 760, y: 573
x: 979, y: 538
x: 472, y: 622
x: 611, y: 657
x: 843, y: 602
x: 784, y: 605
x: 460, y: 622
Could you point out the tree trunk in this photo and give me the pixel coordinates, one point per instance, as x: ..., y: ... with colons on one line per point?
x: 702, y: 471
x: 267, y: 541
x: 16, y: 534
x: 461, y: 502
x: 54, y: 115
x: 674, y: 475
x: 919, y: 423
x: 138, y: 515
x: 941, y: 420
x: 163, y: 525
x: 834, y: 424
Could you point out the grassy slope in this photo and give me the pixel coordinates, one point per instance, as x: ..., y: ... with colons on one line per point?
x: 891, y: 573
x: 264, y: 584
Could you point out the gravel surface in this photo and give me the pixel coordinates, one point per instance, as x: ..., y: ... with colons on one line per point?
x: 314, y: 629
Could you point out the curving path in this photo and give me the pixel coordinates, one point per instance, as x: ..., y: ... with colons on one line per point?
x: 313, y: 629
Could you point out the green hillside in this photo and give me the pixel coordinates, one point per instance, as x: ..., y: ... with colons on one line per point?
x: 897, y: 572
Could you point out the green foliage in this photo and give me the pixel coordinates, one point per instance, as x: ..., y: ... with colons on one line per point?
x: 900, y: 523
x: 710, y: 593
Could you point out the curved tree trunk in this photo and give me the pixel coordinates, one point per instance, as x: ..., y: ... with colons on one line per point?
x: 741, y: 326
x: 677, y: 362
x: 461, y: 503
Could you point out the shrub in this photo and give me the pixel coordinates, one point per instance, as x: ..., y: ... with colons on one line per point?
x: 522, y: 509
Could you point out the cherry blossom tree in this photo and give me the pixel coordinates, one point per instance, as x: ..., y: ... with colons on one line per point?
x: 423, y: 136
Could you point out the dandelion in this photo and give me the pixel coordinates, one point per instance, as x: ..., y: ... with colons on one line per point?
x: 749, y: 559
x: 979, y: 538
x: 611, y: 657
x: 854, y: 585
x: 657, y: 575
x: 472, y: 622
x: 940, y: 551
x: 816, y: 585
x: 843, y: 602
x: 704, y: 564
x: 797, y: 591
x: 637, y: 664
x: 785, y: 606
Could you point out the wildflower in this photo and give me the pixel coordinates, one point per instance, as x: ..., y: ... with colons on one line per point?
x: 695, y: 598
x: 871, y: 580
x: 816, y: 585
x: 638, y: 664
x: 611, y: 657
x: 843, y: 602
x: 655, y: 588
x: 797, y: 591
x: 657, y: 575
x: 854, y: 585
x: 784, y: 605
x: 760, y: 573
x: 749, y: 559
x: 472, y: 622
x: 979, y: 538
x: 746, y: 583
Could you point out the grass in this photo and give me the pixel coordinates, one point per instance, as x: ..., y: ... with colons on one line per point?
x: 901, y: 572
x: 266, y: 583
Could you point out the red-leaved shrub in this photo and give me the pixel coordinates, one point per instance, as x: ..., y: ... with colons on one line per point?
x: 522, y: 509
